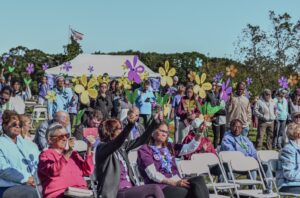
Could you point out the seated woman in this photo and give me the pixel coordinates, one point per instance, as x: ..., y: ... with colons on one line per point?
x: 288, y: 174
x: 18, y: 160
x: 25, y: 123
x: 205, y: 145
x: 114, y: 175
x: 157, y: 165
x: 60, y: 166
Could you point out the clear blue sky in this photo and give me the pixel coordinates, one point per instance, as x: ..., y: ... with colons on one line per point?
x: 147, y: 25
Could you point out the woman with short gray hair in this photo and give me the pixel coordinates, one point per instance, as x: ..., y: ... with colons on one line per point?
x: 60, y: 166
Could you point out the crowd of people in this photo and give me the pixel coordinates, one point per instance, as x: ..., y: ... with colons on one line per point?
x: 49, y: 158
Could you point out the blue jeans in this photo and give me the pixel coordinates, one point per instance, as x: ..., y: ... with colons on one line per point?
x: 245, y: 131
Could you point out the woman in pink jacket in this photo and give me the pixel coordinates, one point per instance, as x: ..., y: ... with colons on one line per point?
x: 60, y: 168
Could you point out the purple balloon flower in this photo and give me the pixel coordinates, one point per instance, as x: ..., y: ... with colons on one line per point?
x: 171, y: 91
x: 283, y: 82
x: 218, y: 77
x: 249, y: 81
x: 226, y: 90
x: 134, y: 70
x: 91, y: 68
x: 30, y: 68
x: 45, y: 66
x: 67, y: 66
x: 14, y: 61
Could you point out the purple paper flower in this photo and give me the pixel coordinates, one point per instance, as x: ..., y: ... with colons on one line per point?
x: 283, y: 82
x: 4, y: 58
x: 171, y: 91
x: 249, y: 81
x: 218, y: 76
x: 45, y: 66
x: 91, y: 68
x: 226, y: 90
x: 134, y: 70
x: 14, y: 61
x: 30, y: 68
x: 67, y: 66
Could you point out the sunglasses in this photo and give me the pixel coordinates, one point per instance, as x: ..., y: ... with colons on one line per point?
x: 4, y: 99
x: 15, y: 125
x: 60, y: 137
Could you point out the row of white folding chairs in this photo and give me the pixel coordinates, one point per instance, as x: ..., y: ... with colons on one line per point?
x: 132, y: 156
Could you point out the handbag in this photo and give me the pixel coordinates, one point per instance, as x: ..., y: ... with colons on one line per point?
x: 78, y: 192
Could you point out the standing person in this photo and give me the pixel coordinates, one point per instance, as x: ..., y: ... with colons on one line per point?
x: 138, y: 129
x: 265, y: 111
x: 239, y: 107
x: 43, y: 90
x: 175, y: 105
x: 144, y: 102
x: 114, y: 175
x: 281, y: 106
x: 18, y: 160
x: 188, y: 110
x: 103, y: 101
x: 219, y: 119
x: 62, y: 100
x: 24, y: 95
x: 294, y: 102
x: 157, y: 165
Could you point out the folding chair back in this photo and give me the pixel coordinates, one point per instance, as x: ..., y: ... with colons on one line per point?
x: 227, y: 156
x: 132, y: 157
x: 247, y: 164
x: 190, y: 167
x: 266, y: 155
x: 209, y: 159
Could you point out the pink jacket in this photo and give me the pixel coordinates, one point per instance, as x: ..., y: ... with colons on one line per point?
x: 56, y: 173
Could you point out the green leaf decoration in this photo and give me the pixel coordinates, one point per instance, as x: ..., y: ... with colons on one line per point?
x: 27, y: 81
x: 161, y: 100
x: 131, y: 96
x: 11, y: 69
x: 207, y: 109
x: 79, y: 116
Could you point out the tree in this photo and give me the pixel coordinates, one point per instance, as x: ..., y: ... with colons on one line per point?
x: 72, y: 49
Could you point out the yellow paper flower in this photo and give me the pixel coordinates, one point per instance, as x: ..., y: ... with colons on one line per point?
x: 51, y: 96
x: 86, y: 89
x: 103, y: 79
x: 234, y: 85
x: 192, y: 76
x: 201, y: 87
x: 231, y: 71
x: 144, y: 75
x: 124, y: 82
x: 293, y: 80
x: 167, y: 109
x: 166, y: 74
x: 75, y: 81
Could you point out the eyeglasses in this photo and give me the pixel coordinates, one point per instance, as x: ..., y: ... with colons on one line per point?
x: 15, y: 125
x: 163, y: 131
x: 4, y: 99
x: 60, y: 137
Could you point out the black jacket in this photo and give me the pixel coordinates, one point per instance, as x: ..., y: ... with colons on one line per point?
x: 108, y: 165
x: 104, y: 104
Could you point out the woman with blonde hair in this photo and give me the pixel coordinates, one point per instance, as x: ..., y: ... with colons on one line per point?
x: 288, y: 175
x: 25, y: 126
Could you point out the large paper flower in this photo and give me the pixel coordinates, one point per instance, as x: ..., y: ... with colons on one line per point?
x: 144, y: 76
x: 192, y: 76
x: 30, y: 68
x: 231, y: 71
x: 218, y: 77
x: 103, y: 79
x: 86, y: 89
x: 226, y: 90
x: 293, y: 80
x: 166, y: 74
x: 283, y: 82
x: 201, y: 87
x: 134, y: 70
x: 51, y: 96
x: 198, y: 62
x: 124, y: 83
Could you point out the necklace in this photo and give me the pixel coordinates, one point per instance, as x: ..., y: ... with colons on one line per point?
x: 165, y: 158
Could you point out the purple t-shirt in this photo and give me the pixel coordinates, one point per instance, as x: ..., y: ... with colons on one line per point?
x: 146, y: 158
x: 124, y: 178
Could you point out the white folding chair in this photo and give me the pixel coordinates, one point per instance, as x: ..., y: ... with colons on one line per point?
x: 189, y: 167
x: 248, y: 164
x: 132, y: 157
x: 210, y: 159
x: 36, y: 115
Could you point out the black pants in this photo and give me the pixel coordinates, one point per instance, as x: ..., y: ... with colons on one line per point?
x: 218, y: 134
x: 197, y: 189
x: 290, y: 189
x: 145, y: 191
